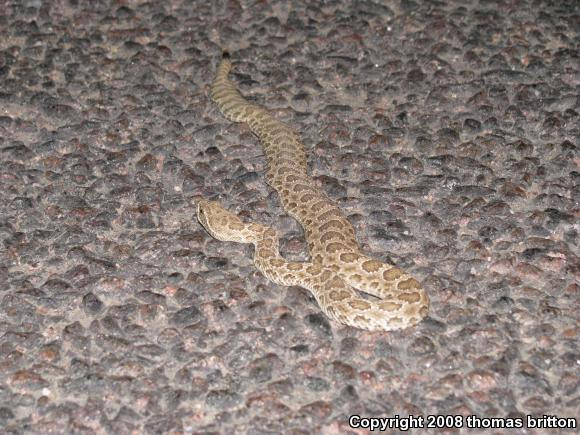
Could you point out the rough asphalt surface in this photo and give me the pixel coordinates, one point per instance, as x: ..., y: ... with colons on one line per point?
x: 448, y: 134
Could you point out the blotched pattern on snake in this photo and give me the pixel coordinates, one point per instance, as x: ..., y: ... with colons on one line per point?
x: 337, y: 264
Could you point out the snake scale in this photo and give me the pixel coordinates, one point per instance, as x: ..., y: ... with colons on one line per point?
x: 336, y: 264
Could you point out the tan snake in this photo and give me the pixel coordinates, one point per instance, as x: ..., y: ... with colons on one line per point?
x: 337, y: 264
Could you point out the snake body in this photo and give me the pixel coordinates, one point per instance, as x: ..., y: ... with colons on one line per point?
x: 337, y: 264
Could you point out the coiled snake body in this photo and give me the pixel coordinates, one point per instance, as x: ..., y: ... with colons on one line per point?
x: 337, y: 265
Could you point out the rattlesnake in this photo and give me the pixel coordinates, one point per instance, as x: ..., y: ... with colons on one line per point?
x: 337, y: 264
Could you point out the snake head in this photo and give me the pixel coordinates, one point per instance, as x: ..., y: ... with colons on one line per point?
x: 219, y: 222
x: 208, y: 214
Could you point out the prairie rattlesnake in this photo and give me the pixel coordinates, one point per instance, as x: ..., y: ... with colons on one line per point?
x: 337, y: 264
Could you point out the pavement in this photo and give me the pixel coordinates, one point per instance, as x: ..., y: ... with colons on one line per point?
x: 447, y: 132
